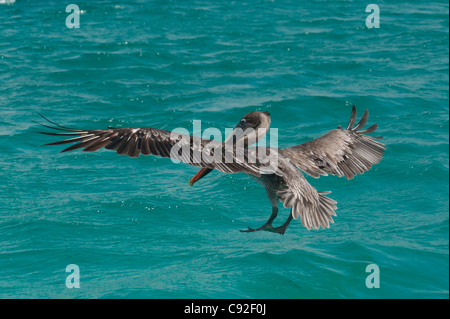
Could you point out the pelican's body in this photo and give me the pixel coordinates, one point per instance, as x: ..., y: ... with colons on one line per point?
x: 342, y: 152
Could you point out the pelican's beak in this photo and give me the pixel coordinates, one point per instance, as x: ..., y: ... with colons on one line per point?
x: 238, y: 133
x: 201, y: 173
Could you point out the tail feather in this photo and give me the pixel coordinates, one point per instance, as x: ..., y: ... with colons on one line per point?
x: 314, y: 213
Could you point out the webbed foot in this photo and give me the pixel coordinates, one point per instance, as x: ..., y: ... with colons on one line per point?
x: 267, y: 227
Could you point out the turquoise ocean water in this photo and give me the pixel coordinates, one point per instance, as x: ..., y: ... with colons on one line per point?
x: 136, y: 229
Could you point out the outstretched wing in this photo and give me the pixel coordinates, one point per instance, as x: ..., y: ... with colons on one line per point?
x: 342, y: 152
x: 146, y: 140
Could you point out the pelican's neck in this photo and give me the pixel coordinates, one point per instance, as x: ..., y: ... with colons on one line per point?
x: 253, y: 136
x: 263, y: 127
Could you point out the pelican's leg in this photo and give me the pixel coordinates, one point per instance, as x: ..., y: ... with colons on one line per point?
x: 282, y: 229
x: 267, y: 226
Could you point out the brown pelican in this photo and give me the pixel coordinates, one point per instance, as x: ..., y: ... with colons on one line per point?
x: 342, y: 152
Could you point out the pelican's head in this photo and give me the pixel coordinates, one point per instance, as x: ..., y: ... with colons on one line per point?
x: 250, y: 129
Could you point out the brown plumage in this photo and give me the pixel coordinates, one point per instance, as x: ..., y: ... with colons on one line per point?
x: 342, y: 152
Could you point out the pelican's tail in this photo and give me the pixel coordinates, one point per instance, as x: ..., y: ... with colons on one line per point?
x: 314, y: 211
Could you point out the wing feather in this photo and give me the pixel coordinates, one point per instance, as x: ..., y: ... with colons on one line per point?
x: 146, y: 141
x: 341, y: 152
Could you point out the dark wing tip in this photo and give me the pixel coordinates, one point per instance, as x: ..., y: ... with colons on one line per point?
x: 362, y: 122
x: 352, y: 121
x: 369, y: 130
x: 56, y: 125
